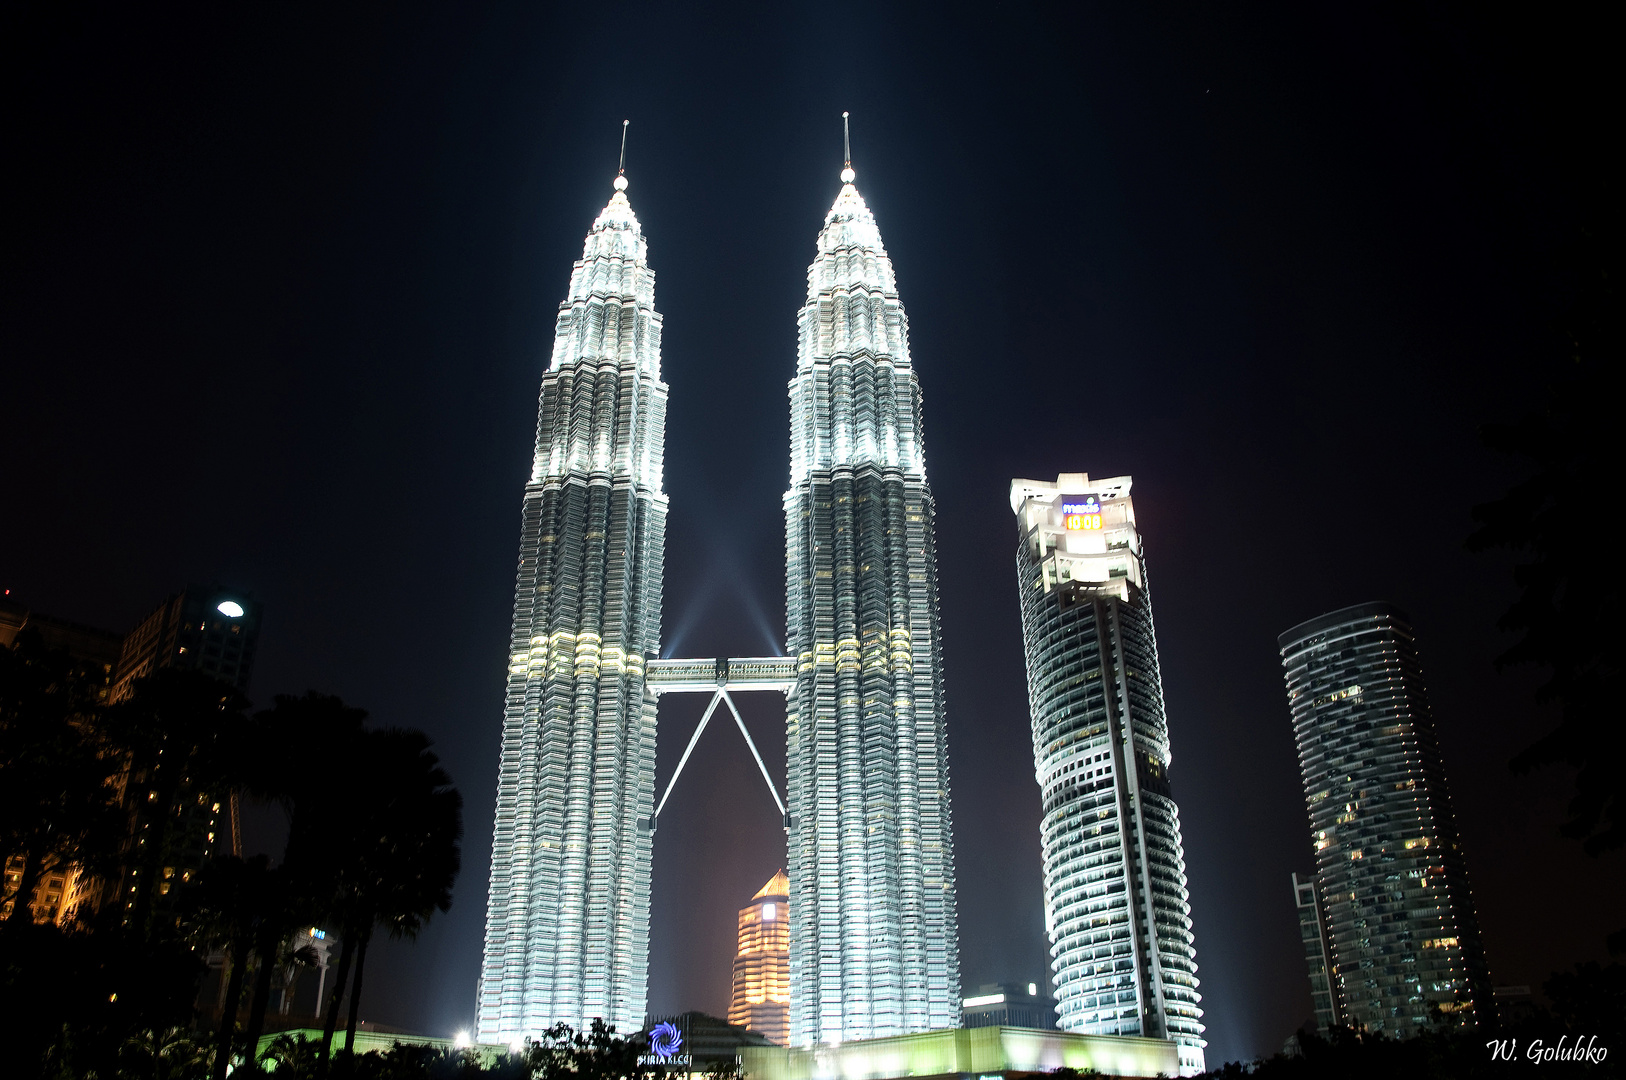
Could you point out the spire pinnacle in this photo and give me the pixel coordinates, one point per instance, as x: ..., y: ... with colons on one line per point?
x: 620, y: 173
x: 847, y: 173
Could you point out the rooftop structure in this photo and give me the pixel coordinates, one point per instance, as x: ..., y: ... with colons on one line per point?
x: 1008, y: 1005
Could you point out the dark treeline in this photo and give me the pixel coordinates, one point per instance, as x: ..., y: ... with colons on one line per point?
x: 121, y: 808
x: 1579, y: 1036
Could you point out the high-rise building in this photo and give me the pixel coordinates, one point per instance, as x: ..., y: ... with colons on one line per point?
x: 567, y: 927
x: 1402, y: 938
x: 87, y: 644
x: 761, y: 998
x: 1116, y: 907
x: 207, y: 628
x: 874, y: 947
x: 1317, y: 955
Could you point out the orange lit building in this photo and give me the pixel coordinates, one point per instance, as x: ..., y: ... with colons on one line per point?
x: 761, y: 998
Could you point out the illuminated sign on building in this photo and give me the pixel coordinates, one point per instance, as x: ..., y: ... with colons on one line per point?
x: 664, y: 1041
x: 1084, y: 513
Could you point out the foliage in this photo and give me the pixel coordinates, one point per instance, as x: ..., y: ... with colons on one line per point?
x: 57, y: 806
x: 400, y: 834
x: 1589, y: 1004
x: 1569, y: 581
x: 75, y: 997
x: 181, y: 735
x: 163, y: 1054
x: 560, y: 1054
x: 597, y: 1054
x: 374, y: 831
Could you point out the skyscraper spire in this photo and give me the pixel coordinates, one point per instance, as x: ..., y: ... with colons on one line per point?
x: 567, y: 927
x: 874, y: 939
x: 621, y: 170
x: 847, y: 174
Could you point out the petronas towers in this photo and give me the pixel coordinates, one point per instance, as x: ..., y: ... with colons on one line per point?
x: 567, y: 923
x: 873, y: 937
x: 873, y: 944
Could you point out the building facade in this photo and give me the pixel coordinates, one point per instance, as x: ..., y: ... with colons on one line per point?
x: 1008, y: 1005
x: 567, y: 927
x: 1317, y: 953
x: 874, y: 947
x: 761, y: 997
x: 1402, y: 936
x: 987, y: 1053
x: 1116, y: 907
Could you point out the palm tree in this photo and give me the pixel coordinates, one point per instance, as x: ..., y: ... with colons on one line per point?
x: 223, y: 909
x: 310, y: 748
x: 164, y: 1054
x: 291, y: 900
x: 403, y: 831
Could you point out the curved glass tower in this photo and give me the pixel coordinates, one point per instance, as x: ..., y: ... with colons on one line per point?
x: 874, y: 949
x: 1397, y: 917
x: 1116, y: 907
x: 567, y: 928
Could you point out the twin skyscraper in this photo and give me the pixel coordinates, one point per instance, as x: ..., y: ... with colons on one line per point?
x: 874, y: 944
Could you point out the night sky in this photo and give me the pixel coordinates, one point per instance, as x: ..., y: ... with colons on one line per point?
x: 279, y: 290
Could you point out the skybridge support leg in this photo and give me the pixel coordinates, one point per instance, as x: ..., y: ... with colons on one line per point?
x: 704, y: 720
x: 737, y: 719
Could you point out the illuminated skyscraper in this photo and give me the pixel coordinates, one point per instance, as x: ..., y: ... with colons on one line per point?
x: 874, y: 948
x: 567, y: 928
x: 1398, y: 924
x: 761, y: 999
x: 1116, y: 907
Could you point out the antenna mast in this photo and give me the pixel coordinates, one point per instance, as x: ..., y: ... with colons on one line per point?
x: 847, y: 173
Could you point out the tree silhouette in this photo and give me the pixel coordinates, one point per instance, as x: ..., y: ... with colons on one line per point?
x: 1569, y: 583
x: 402, y: 836
x: 185, y: 740
x: 223, y: 909
x: 56, y: 805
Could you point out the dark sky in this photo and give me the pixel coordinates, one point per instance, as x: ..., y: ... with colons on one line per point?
x: 279, y: 288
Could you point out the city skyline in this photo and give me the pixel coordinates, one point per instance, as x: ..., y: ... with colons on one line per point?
x: 283, y: 297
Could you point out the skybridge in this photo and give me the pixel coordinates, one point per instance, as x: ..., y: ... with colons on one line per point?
x: 718, y: 678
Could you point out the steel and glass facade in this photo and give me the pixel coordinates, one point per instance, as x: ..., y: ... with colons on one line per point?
x: 874, y: 947
x: 567, y: 927
x: 1116, y: 907
x: 1317, y: 956
x: 1402, y: 939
